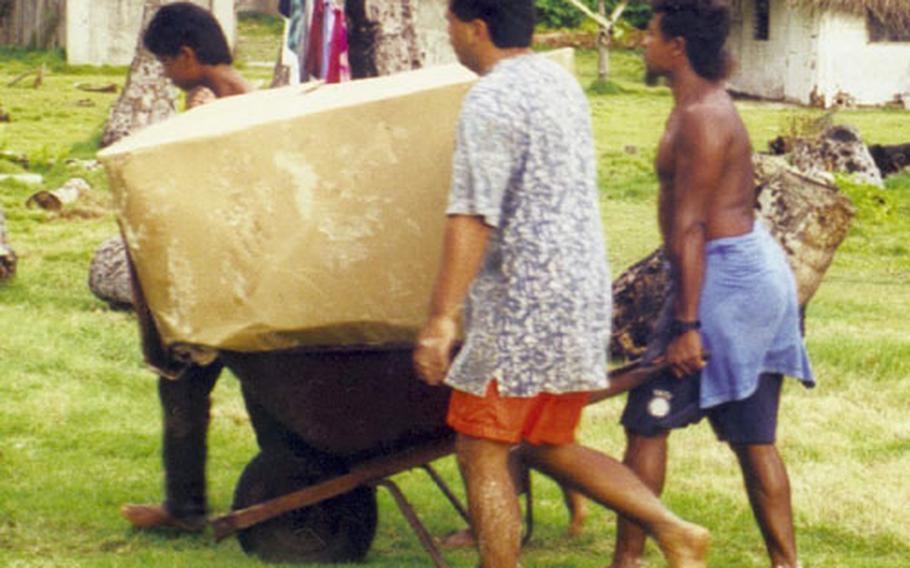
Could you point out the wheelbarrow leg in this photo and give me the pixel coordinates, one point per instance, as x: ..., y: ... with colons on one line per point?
x: 525, y: 477
x: 421, y: 531
x: 524, y: 486
x: 444, y: 487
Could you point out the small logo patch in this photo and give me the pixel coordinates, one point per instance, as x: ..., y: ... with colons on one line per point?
x: 659, y: 406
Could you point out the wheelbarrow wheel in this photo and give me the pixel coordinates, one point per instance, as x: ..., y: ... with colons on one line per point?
x: 340, y: 529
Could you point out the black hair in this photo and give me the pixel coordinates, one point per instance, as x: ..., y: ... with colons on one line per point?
x: 705, y: 25
x: 511, y: 22
x: 183, y: 24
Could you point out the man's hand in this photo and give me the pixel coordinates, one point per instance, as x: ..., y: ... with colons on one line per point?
x: 198, y: 97
x: 685, y: 354
x: 433, y: 353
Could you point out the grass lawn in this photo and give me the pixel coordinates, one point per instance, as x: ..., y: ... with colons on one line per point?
x: 79, y: 415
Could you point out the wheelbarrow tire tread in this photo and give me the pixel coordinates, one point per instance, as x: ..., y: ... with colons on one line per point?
x: 340, y: 529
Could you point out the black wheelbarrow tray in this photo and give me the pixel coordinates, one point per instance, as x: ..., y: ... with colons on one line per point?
x: 332, y: 426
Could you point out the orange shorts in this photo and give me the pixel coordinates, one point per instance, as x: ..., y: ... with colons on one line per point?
x: 542, y: 419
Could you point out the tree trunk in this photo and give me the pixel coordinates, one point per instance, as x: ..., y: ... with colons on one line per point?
x: 148, y: 96
x: 390, y: 36
x: 807, y: 215
x: 603, y: 45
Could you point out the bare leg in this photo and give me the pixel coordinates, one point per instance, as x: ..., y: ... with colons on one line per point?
x: 492, y: 500
x: 768, y: 486
x: 613, y: 485
x: 575, y: 502
x: 647, y: 457
x: 577, y: 506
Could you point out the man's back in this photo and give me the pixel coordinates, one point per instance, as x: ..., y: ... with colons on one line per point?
x: 708, y: 135
x: 525, y: 163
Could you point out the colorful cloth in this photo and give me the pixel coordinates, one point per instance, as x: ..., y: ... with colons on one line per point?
x: 328, y: 28
x: 538, y: 314
x: 312, y: 64
x: 297, y: 24
x: 339, y: 69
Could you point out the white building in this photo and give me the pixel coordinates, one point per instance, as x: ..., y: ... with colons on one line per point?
x: 105, y: 32
x: 822, y: 52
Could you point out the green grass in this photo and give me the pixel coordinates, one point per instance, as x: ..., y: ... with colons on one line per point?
x: 79, y: 415
x: 259, y: 37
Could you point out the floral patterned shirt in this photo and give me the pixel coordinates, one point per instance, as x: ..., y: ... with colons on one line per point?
x: 537, y: 315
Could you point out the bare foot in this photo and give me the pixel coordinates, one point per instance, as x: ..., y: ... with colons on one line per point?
x: 156, y: 516
x: 635, y: 563
x: 578, y: 513
x: 458, y: 539
x: 685, y: 545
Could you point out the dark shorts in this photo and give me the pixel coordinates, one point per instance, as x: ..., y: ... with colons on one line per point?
x: 649, y: 412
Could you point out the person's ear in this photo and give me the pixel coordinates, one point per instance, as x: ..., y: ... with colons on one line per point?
x: 187, y: 54
x: 479, y: 31
x: 679, y: 46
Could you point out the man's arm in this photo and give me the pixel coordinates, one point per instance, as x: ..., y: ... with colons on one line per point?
x: 700, y: 152
x: 464, y: 247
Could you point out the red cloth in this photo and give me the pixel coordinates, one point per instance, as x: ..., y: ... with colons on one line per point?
x: 339, y: 70
x: 313, y: 60
x: 542, y: 419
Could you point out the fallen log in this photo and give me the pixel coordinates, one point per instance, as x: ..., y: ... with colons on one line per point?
x: 54, y: 200
x: 38, y: 72
x: 839, y: 148
x: 106, y: 88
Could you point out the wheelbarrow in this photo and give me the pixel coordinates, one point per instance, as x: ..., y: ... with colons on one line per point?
x: 331, y: 428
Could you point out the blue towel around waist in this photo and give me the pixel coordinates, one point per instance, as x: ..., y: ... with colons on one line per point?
x: 750, y: 317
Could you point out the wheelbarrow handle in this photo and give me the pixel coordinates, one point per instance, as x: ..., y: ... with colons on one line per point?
x: 631, y: 375
x: 232, y: 523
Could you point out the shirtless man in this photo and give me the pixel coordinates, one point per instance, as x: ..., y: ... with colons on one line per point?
x: 733, y: 293
x: 192, y: 49
x: 524, y: 252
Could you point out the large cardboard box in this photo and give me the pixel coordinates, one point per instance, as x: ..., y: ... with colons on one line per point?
x: 293, y: 217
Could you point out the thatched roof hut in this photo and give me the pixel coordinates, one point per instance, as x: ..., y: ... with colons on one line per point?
x: 823, y: 52
x: 883, y: 10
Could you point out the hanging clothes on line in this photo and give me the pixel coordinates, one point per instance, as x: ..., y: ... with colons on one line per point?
x: 325, y: 56
x: 339, y: 69
x: 312, y: 64
x: 327, y: 32
x: 296, y: 30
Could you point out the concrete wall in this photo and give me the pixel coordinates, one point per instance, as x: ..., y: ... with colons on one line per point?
x: 105, y: 32
x: 433, y: 34
x: 261, y: 6
x: 782, y: 67
x: 32, y: 23
x: 867, y: 73
x: 816, y: 57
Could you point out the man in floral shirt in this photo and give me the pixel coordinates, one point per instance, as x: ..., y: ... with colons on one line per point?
x: 524, y: 248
